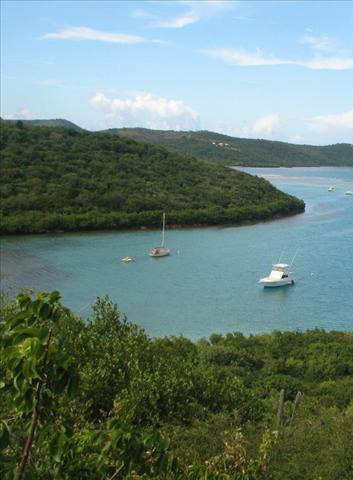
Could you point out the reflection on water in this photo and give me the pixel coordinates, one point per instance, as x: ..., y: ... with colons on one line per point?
x: 21, y: 269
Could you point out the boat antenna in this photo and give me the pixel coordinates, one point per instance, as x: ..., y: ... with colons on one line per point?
x: 291, y: 263
x: 279, y: 260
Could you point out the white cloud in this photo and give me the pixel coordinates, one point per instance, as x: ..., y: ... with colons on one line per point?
x: 22, y: 113
x: 296, y: 139
x: 240, y: 57
x: 338, y: 120
x: 140, y: 13
x: 243, y: 58
x: 84, y: 33
x: 209, y: 4
x: 178, y: 22
x: 262, y: 127
x: 146, y: 110
x: 327, y: 63
x: 197, y: 10
x: 321, y: 44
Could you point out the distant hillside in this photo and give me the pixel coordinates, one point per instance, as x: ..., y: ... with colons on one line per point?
x: 241, y: 151
x: 60, y: 179
x: 226, y: 150
x: 57, y: 122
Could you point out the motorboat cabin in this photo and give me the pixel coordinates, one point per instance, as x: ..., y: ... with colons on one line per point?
x: 278, y: 277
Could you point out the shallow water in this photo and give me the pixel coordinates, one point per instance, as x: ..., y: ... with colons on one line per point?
x: 209, y: 283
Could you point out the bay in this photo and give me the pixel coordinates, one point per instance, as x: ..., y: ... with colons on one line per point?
x: 210, y: 282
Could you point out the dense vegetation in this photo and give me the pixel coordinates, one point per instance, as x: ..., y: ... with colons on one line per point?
x: 99, y: 399
x: 231, y: 151
x: 242, y: 151
x: 60, y: 179
x: 55, y: 122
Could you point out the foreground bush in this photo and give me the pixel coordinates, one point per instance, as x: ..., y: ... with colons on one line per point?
x: 99, y: 399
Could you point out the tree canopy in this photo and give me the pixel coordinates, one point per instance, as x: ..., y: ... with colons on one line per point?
x: 99, y: 399
x: 60, y: 179
x: 233, y: 151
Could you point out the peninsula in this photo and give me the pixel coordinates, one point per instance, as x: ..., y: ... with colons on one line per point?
x: 62, y: 179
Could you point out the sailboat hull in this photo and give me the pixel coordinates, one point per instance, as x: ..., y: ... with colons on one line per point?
x: 159, y: 252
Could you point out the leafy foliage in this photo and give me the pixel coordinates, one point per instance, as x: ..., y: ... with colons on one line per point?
x: 111, y: 403
x: 228, y: 150
x: 60, y: 179
x: 57, y: 122
x: 234, y: 151
x: 35, y: 370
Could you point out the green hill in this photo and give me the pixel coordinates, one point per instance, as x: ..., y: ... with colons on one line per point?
x: 60, y: 179
x: 57, y: 122
x: 244, y: 152
x: 226, y: 150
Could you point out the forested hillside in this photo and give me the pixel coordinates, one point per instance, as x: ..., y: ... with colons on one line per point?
x: 57, y: 122
x: 244, y: 152
x: 60, y: 179
x: 226, y: 150
x: 100, y: 400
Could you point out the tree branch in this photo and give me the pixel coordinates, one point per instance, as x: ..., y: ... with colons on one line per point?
x: 35, y: 416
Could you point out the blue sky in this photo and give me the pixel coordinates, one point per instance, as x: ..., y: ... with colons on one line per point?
x: 280, y: 70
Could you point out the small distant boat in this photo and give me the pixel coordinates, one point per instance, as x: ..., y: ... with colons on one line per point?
x: 278, y: 277
x: 127, y: 259
x: 349, y: 192
x: 331, y: 189
x: 161, y: 251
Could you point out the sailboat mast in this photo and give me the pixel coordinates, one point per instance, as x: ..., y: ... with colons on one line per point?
x: 163, y: 230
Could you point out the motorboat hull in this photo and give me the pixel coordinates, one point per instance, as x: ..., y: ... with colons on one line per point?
x: 276, y: 283
x: 127, y: 260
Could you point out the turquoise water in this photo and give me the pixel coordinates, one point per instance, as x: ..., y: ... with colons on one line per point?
x: 209, y: 283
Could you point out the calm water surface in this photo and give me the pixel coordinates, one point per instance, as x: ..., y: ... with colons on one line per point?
x: 209, y: 283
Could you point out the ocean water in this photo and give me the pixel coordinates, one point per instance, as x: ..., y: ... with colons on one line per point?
x: 210, y: 282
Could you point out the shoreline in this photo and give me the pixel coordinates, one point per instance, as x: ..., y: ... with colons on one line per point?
x: 289, y: 166
x: 172, y: 226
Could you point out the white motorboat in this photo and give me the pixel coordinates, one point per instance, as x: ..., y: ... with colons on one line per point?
x: 331, y: 189
x: 127, y: 259
x: 161, y: 251
x: 278, y: 277
x: 349, y: 192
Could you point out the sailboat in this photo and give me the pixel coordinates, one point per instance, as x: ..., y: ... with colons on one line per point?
x: 161, y: 251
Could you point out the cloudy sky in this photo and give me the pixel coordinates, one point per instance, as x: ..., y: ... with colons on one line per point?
x: 280, y: 70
